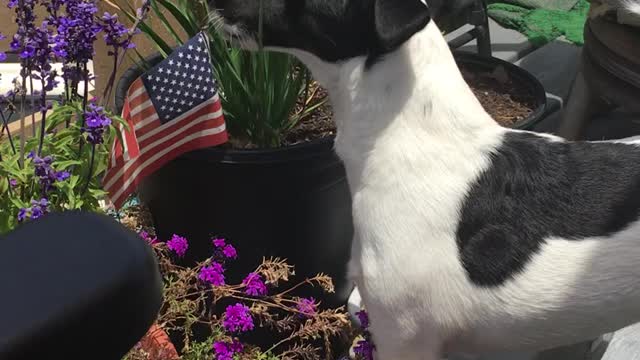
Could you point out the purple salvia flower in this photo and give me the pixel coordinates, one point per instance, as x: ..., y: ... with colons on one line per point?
x: 178, y: 244
x: 96, y: 123
x: 13, y: 182
x: 364, y: 319
x: 213, y: 274
x: 254, y: 285
x: 238, y: 318
x: 364, y: 350
x: 22, y: 215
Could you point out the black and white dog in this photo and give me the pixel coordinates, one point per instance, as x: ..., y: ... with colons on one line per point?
x: 469, y: 237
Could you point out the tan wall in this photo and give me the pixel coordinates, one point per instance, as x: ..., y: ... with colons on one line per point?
x: 102, y: 63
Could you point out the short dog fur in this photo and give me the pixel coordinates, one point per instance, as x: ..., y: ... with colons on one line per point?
x: 470, y: 237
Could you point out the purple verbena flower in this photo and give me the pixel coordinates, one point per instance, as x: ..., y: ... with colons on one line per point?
x: 178, y: 244
x: 254, y: 285
x: 364, y: 349
x: 238, y: 318
x: 213, y: 274
x: 230, y: 252
x: 364, y: 319
x: 225, y: 350
x: 219, y: 243
x: 307, y: 307
x: 146, y: 237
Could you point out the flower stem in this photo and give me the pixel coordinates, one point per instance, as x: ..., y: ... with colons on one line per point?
x: 91, y: 163
x: 33, y: 113
x: 5, y: 125
x: 43, y: 104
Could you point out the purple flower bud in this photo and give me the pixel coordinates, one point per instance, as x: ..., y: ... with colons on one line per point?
x: 237, y: 318
x: 254, y: 285
x: 213, y: 274
x: 178, y: 244
x: 307, y: 307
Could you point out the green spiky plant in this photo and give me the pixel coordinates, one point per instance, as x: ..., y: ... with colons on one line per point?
x: 264, y: 95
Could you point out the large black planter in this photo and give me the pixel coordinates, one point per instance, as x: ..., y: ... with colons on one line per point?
x: 519, y: 75
x: 291, y: 203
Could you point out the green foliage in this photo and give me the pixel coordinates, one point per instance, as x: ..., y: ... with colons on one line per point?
x: 80, y: 191
x: 260, y: 91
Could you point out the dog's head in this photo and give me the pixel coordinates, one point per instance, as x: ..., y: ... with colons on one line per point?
x: 330, y: 30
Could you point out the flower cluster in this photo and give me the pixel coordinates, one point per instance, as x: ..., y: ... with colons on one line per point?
x: 96, y: 122
x: 213, y: 274
x: 237, y: 318
x: 178, y: 245
x: 46, y: 173
x: 226, y: 350
x: 77, y: 33
x: 307, y: 307
x: 365, y: 348
x: 116, y: 35
x: 254, y: 285
x: 37, y: 210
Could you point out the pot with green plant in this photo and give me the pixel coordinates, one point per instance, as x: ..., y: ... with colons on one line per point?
x: 277, y: 187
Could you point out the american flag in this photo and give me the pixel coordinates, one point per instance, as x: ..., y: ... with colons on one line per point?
x: 171, y: 109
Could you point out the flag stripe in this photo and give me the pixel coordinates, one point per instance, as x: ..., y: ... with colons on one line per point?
x: 175, y: 131
x: 211, y: 105
x: 150, y: 161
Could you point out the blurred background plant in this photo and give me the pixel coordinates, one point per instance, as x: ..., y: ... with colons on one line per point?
x: 58, y: 166
x: 264, y: 95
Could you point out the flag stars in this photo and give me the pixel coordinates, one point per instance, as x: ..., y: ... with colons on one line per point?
x: 162, y: 89
x: 171, y: 62
x: 200, y: 78
x: 173, y: 82
x: 181, y: 55
x: 161, y: 70
x: 190, y: 47
x: 189, y: 56
x: 170, y: 91
x: 179, y: 64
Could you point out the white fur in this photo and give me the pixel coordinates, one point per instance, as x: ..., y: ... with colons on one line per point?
x: 413, y: 139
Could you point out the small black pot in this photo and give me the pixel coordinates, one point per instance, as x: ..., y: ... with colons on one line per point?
x: 291, y: 202
x: 518, y: 74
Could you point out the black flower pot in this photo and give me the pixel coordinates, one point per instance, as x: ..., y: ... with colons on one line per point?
x: 291, y: 202
x: 519, y: 75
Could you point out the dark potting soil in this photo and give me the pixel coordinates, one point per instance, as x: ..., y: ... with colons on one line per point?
x: 505, y: 100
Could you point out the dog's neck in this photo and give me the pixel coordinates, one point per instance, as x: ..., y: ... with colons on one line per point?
x: 419, y: 86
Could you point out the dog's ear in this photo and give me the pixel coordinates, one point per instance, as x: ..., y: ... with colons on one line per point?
x: 397, y: 20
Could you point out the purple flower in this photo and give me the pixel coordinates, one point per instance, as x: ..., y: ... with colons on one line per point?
x: 13, y: 182
x: 145, y: 235
x: 364, y: 349
x: 219, y: 243
x: 364, y: 318
x: 38, y: 209
x: 45, y: 172
x: 96, y: 122
x: 238, y: 318
x: 254, y: 285
x: 307, y: 307
x: 62, y: 175
x: 22, y: 215
x: 225, y: 351
x: 213, y: 274
x: 178, y: 244
x: 230, y: 252
x: 222, y: 351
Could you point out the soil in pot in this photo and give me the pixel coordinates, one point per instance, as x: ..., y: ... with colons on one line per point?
x: 503, y: 98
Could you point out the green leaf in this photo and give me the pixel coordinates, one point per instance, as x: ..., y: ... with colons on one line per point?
x: 63, y: 165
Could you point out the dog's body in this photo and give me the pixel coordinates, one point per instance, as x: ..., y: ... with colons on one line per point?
x: 469, y: 237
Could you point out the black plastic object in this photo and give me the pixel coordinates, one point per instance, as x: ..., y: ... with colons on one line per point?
x: 519, y: 75
x: 291, y: 202
x: 75, y: 286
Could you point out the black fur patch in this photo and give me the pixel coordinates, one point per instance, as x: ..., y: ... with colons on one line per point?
x: 332, y: 30
x: 536, y: 189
